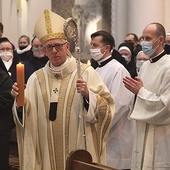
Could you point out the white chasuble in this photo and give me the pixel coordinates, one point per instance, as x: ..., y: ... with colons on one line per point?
x: 45, y: 143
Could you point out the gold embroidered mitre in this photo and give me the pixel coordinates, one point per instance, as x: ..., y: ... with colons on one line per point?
x: 49, y: 26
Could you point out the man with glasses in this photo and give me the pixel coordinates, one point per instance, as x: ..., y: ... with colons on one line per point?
x: 152, y: 106
x: 62, y: 111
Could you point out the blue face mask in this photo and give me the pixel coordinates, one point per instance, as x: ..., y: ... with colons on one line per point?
x: 147, y: 47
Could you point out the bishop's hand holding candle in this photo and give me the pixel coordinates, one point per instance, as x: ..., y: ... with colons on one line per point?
x: 20, y: 84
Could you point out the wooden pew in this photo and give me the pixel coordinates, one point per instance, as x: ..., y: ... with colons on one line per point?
x: 82, y: 160
x: 13, y: 163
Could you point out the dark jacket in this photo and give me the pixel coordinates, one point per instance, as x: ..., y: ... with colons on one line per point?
x: 6, y: 119
x: 12, y: 69
x: 23, y: 57
x: 34, y: 64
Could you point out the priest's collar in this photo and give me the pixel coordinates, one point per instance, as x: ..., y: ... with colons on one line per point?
x: 105, y: 61
x: 62, y: 71
x: 156, y: 58
x: 58, y: 68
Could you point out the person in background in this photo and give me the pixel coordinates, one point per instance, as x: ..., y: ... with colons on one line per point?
x: 23, y: 50
x: 133, y: 38
x: 140, y: 59
x: 6, y: 118
x: 1, y: 29
x: 10, y: 61
x: 167, y: 43
x: 64, y: 111
x: 121, y: 135
x: 152, y: 106
x: 37, y: 58
x: 126, y: 51
x: 7, y: 55
x: 117, y: 56
x: 167, y: 39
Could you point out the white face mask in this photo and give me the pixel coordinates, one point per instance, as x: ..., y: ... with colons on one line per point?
x: 39, y: 54
x: 139, y: 64
x: 96, y: 54
x: 6, y: 55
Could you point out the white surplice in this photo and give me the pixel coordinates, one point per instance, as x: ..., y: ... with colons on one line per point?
x: 121, y: 136
x: 152, y: 115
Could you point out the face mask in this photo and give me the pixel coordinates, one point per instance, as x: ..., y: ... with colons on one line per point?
x: 6, y: 55
x: 22, y: 47
x: 96, y: 53
x: 147, y: 47
x: 126, y: 59
x: 38, y: 54
x: 139, y: 63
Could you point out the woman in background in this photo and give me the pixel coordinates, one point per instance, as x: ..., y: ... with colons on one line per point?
x: 6, y: 119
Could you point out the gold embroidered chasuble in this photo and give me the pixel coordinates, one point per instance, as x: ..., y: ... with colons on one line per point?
x: 46, y: 144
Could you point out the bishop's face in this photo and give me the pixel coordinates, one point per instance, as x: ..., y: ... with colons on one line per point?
x: 56, y: 50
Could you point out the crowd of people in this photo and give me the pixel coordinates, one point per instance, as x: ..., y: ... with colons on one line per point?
x: 117, y: 109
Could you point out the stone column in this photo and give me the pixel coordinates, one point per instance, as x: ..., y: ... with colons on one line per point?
x: 119, y: 20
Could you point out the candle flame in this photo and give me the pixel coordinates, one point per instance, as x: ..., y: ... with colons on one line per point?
x: 89, y: 63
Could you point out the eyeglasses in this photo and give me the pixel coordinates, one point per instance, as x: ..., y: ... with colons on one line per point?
x: 6, y: 49
x: 37, y: 47
x: 49, y: 48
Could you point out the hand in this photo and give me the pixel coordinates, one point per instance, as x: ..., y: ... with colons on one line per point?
x: 134, y: 85
x: 14, y: 91
x: 82, y: 88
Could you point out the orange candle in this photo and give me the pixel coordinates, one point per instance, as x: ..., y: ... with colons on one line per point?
x: 21, y: 84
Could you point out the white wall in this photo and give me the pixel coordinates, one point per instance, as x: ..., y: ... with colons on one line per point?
x: 167, y: 15
x: 19, y: 16
x: 134, y: 15
x: 9, y: 18
x: 143, y: 12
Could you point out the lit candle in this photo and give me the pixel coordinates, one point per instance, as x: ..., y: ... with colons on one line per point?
x: 89, y: 63
x: 21, y: 84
